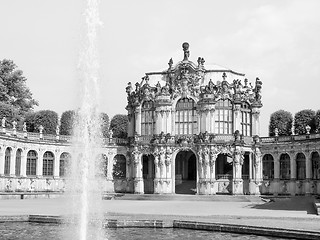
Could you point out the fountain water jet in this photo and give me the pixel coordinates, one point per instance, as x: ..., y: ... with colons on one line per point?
x: 86, y: 170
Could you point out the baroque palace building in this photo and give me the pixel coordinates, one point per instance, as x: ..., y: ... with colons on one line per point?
x: 193, y: 129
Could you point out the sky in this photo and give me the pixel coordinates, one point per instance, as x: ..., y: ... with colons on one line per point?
x: 277, y: 41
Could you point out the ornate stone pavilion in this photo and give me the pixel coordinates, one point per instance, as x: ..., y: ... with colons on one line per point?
x: 193, y: 129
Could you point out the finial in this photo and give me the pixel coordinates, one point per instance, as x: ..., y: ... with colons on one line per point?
x: 185, y: 47
x: 224, y: 75
x: 170, y: 63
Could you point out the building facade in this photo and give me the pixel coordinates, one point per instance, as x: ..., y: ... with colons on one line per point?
x: 193, y: 129
x: 196, y: 127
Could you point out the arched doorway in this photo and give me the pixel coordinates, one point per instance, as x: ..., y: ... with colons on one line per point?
x: 148, y: 173
x: 185, y: 173
x: 224, y: 173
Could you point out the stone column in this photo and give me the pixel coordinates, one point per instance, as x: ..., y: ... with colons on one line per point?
x: 237, y: 184
x: 138, y: 179
x: 56, y: 165
x: 212, y: 120
x: 39, y: 171
x: 13, y: 162
x: 255, y: 121
x: 2, y: 160
x: 237, y: 118
x: 293, y: 174
x: 200, y: 171
x: 168, y: 163
x: 23, y: 167
x: 138, y: 120
x: 168, y: 120
x: 156, y: 180
x: 212, y: 164
x: 206, y: 171
x: 162, y: 170
x: 258, y: 175
x: 308, y: 172
x: 131, y: 119
x: 173, y: 122
x: 276, y: 181
x: 129, y: 173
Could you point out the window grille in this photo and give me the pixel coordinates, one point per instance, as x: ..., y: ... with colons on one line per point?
x: 301, y: 166
x: 315, y: 166
x: 268, y: 167
x: 31, y: 163
x: 18, y: 162
x: 245, y: 119
x: 185, y: 117
x: 285, y: 167
x: 48, y: 159
x: 7, y: 159
x: 64, y: 159
x: 223, y: 117
x: 147, y: 118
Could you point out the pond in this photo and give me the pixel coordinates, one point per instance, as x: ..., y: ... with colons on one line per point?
x: 35, y: 231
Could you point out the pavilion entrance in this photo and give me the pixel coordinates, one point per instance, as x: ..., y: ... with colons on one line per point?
x: 224, y: 173
x: 148, y: 171
x: 185, y: 173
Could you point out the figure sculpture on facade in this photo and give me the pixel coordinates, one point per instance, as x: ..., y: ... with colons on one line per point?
x: 185, y: 47
x: 3, y: 122
x: 14, y: 125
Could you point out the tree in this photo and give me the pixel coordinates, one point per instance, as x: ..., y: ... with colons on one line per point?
x: 282, y: 120
x: 104, y: 124
x: 47, y: 118
x: 11, y: 114
x: 66, y: 122
x: 13, y: 89
x: 302, y: 119
x: 317, y: 121
x: 119, y: 125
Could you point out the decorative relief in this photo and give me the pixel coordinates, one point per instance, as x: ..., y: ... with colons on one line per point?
x: 185, y: 80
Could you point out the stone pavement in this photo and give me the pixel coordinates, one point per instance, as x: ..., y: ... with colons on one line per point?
x: 295, y: 213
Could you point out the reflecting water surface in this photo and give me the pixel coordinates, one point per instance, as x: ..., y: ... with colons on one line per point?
x: 34, y: 231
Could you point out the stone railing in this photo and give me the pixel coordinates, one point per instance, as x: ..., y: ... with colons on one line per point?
x: 279, y: 139
x: 36, y: 136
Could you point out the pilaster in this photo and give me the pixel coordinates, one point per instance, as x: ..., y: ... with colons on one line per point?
x: 56, y: 163
x: 13, y: 161
x: 255, y: 121
x: 138, y: 120
x: 237, y: 184
x: 138, y: 179
x: 2, y: 160
x: 237, y: 118
x: 39, y: 171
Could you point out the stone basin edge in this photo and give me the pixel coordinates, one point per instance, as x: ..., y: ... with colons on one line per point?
x: 193, y: 225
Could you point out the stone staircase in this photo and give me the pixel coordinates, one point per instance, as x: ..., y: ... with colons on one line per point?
x: 186, y: 197
x: 186, y: 187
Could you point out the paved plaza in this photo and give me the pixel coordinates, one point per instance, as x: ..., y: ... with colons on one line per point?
x: 294, y: 213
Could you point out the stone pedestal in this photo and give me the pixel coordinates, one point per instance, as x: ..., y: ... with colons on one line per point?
x: 138, y: 185
x: 237, y: 187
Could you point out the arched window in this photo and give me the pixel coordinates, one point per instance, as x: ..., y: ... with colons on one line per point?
x: 7, y: 159
x: 119, y: 167
x: 285, y: 166
x: 186, y: 118
x: 64, y: 159
x: 268, y: 166
x: 31, y: 163
x: 315, y: 158
x: 18, y: 162
x: 245, y: 119
x: 223, y: 117
x: 301, y: 166
x: 48, y: 159
x: 147, y: 119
